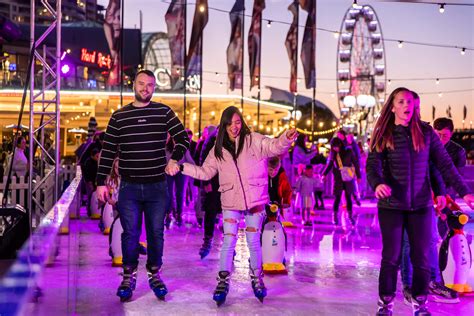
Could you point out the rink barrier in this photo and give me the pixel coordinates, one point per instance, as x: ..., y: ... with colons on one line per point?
x: 22, y: 279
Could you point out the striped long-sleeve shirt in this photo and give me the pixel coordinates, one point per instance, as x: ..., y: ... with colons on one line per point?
x: 138, y: 136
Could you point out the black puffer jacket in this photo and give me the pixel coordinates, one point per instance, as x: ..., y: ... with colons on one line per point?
x: 407, y: 171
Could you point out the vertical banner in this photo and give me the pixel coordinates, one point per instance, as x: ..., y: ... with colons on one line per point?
x: 194, y: 60
x: 291, y: 44
x: 255, y: 34
x: 236, y: 46
x: 113, y: 34
x: 308, y: 47
x: 175, y: 23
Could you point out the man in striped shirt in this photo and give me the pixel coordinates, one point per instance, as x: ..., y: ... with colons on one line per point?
x: 136, y: 134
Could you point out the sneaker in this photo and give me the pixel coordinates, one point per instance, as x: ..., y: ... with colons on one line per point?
x: 407, y: 295
x: 443, y: 294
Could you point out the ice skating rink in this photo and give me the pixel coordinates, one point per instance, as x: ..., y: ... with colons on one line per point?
x: 329, y: 273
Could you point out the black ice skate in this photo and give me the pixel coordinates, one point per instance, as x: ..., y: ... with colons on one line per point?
x: 385, y: 306
x: 156, y: 283
x: 206, y: 247
x: 128, y: 284
x: 420, y: 308
x: 222, y: 288
x: 259, y: 289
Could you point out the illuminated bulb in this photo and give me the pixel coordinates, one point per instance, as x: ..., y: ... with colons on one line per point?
x: 354, y: 4
x: 440, y: 94
x: 463, y: 51
x: 269, y: 129
x: 334, y: 123
x: 260, y: 126
x: 217, y: 74
x: 437, y: 80
x: 269, y: 23
x: 202, y: 8
x: 67, y: 121
x: 336, y: 35
x: 254, y: 123
x: 321, y: 124
x: 441, y: 8
x: 213, y: 113
x: 249, y: 117
x: 400, y: 44
x: 389, y: 82
x: 68, y: 50
x: 308, y: 122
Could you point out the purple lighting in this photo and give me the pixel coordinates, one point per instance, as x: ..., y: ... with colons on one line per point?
x: 65, y: 69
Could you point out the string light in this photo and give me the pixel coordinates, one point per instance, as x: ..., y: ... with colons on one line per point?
x: 354, y: 3
x: 440, y: 94
x: 332, y: 130
x: 400, y: 44
x: 217, y: 74
x: 437, y: 80
x: 441, y: 7
x: 269, y: 23
x: 336, y: 35
x: 389, y: 82
x: 463, y: 51
x: 202, y: 8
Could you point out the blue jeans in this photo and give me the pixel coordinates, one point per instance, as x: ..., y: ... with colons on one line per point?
x: 134, y: 200
x: 406, y: 269
x: 252, y: 233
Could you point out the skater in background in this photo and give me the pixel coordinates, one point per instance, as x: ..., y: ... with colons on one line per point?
x: 345, y: 169
x: 240, y: 158
x: 441, y: 293
x: 177, y: 185
x: 90, y: 174
x: 305, y: 186
x: 301, y: 154
x: 139, y: 130
x: 279, y: 188
x: 397, y: 169
x: 318, y: 187
x: 211, y: 200
x: 352, y: 145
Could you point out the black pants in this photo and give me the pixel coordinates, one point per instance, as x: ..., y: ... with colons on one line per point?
x: 212, y: 207
x: 318, y: 199
x: 337, y: 200
x: 418, y: 226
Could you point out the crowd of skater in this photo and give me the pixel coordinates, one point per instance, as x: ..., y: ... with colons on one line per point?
x: 147, y: 167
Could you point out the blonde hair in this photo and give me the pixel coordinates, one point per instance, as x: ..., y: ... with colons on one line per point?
x: 113, y: 179
x: 382, y: 136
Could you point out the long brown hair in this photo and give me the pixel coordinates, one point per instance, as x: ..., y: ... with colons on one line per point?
x: 382, y: 136
x: 112, y: 180
x: 222, y: 140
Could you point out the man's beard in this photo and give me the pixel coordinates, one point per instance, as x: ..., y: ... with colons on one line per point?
x: 139, y: 98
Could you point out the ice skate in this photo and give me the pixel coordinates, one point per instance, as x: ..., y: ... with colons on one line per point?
x: 156, y: 283
x: 259, y: 288
x: 128, y: 284
x: 222, y: 289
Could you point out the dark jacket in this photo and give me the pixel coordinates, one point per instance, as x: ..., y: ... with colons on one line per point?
x: 212, y: 200
x: 279, y: 188
x: 348, y: 159
x: 407, y: 171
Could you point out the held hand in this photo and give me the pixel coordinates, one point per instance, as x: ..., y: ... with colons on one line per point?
x: 291, y: 134
x: 382, y: 191
x: 172, y: 168
x: 102, y: 193
x: 469, y: 199
x: 440, y: 202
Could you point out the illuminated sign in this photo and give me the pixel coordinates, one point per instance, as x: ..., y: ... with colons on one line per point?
x: 163, y: 79
x: 95, y: 57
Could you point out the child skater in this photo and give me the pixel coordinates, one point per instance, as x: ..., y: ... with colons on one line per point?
x: 305, y: 186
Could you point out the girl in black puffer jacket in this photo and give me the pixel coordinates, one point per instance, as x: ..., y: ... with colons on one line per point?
x: 401, y: 148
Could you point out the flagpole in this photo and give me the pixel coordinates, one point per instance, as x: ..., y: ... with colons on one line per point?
x: 243, y: 67
x: 200, y: 82
x: 313, y: 53
x: 295, y: 94
x: 121, y: 53
x: 259, y: 71
x: 185, y: 76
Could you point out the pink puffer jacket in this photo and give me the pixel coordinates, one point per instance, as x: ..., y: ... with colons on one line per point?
x: 243, y: 183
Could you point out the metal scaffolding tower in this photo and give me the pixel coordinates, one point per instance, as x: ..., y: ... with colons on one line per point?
x: 44, y: 113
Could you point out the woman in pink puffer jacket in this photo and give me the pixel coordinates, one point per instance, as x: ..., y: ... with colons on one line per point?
x: 239, y: 157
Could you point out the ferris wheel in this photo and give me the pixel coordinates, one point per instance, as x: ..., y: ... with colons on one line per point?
x: 361, y: 67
